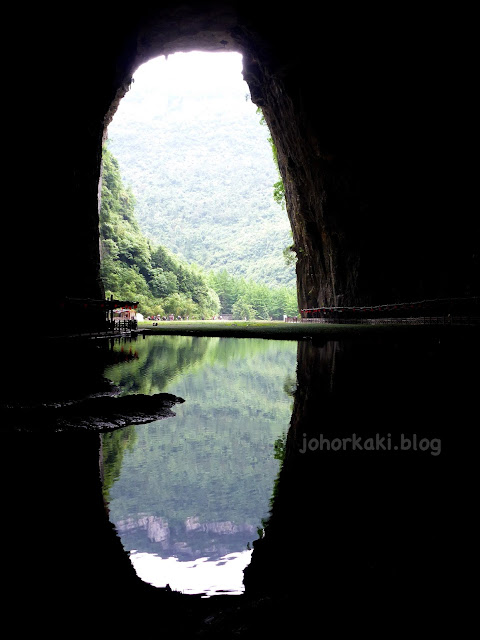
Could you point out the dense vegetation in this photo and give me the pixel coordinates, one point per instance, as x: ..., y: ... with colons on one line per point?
x: 134, y: 268
x: 252, y: 300
x: 201, y: 168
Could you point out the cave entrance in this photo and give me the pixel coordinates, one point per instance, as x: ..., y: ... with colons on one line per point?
x: 199, y: 228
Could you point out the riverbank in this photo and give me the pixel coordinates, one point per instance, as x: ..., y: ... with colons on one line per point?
x: 296, y: 330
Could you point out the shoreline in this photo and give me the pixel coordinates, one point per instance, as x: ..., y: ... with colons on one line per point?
x: 298, y: 331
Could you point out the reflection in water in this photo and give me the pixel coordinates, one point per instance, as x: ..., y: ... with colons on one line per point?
x: 189, y: 495
x: 357, y: 540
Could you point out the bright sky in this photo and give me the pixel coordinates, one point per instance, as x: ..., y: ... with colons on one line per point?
x: 210, y: 82
x: 196, y: 69
x: 207, y: 577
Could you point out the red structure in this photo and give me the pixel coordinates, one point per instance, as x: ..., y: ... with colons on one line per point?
x: 88, y: 315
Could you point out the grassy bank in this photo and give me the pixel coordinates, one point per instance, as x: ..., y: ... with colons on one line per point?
x: 289, y: 331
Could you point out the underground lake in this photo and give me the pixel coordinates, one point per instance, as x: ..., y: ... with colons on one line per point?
x: 188, y: 495
x: 283, y: 474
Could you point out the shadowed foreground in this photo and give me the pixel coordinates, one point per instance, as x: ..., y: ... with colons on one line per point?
x: 358, y: 541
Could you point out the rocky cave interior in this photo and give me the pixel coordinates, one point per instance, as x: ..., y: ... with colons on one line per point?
x: 360, y: 105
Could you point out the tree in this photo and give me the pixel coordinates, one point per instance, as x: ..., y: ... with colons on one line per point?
x: 163, y: 283
x: 227, y: 288
x: 278, y: 187
x: 179, y: 304
x: 242, y: 309
x: 133, y: 269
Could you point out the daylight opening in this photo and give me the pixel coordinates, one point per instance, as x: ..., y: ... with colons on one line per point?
x: 193, y: 227
x: 193, y: 223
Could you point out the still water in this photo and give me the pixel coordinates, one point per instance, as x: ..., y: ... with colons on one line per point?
x: 189, y: 494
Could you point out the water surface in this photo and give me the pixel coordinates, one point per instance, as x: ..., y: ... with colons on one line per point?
x: 188, y: 494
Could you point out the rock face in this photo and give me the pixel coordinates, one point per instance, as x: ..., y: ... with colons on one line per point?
x: 102, y: 413
x: 157, y: 528
x: 362, y: 108
x: 190, y: 540
x: 356, y: 130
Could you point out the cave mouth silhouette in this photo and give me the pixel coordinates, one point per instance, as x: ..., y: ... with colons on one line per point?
x: 373, y: 123
x: 363, y: 125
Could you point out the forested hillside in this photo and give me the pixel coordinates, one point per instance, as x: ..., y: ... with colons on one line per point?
x: 201, y: 167
x: 135, y: 268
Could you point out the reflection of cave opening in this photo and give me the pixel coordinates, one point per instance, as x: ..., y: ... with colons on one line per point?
x: 190, y: 495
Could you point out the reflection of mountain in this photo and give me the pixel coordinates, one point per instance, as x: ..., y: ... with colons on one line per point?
x: 158, y: 361
x: 206, y: 476
x: 193, y: 539
x: 113, y: 446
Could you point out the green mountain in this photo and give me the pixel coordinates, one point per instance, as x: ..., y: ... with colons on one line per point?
x: 134, y: 268
x: 201, y: 168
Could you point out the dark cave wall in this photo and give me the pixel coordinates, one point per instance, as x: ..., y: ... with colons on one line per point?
x: 360, y: 107
x: 371, y: 528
